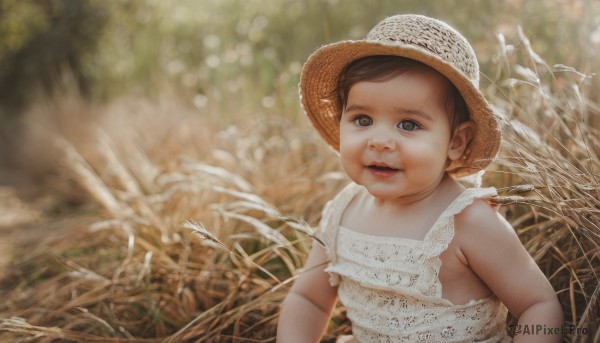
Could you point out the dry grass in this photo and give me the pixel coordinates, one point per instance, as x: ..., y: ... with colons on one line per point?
x: 149, y: 270
x: 204, y: 225
x: 550, y: 171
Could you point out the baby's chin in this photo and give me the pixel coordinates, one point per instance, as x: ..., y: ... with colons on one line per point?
x: 381, y: 192
x: 383, y: 195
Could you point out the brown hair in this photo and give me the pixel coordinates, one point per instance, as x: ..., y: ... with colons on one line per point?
x: 383, y: 68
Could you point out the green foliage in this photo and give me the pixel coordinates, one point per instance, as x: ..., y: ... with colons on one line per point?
x: 41, y: 40
x: 235, y: 53
x: 240, y: 55
x: 14, y: 33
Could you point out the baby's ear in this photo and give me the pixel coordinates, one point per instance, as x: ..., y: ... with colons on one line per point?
x: 462, y: 136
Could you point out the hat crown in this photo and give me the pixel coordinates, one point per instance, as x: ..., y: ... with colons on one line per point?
x: 436, y: 37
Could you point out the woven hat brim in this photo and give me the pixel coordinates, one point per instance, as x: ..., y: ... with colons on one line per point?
x: 321, y: 72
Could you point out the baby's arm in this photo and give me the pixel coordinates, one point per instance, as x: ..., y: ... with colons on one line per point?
x: 306, y: 310
x: 496, y: 255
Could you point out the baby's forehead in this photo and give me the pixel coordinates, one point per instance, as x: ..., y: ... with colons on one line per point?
x: 421, y: 71
x: 415, y: 71
x: 410, y: 85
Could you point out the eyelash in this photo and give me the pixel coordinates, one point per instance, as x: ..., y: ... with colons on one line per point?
x: 356, y: 118
x: 417, y: 126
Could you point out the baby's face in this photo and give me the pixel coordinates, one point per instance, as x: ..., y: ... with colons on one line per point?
x: 395, y: 135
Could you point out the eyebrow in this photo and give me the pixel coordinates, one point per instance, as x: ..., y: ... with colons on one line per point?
x: 412, y: 111
x: 356, y: 107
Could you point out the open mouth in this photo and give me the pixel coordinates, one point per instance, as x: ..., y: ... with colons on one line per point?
x: 382, y: 168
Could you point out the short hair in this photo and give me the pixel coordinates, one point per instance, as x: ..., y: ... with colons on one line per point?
x: 382, y: 68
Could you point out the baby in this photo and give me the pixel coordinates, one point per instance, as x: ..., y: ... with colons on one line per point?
x: 411, y: 254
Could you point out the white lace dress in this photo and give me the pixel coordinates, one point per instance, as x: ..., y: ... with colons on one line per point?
x: 390, y: 286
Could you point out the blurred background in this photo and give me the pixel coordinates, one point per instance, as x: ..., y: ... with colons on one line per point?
x: 125, y: 126
x: 238, y: 57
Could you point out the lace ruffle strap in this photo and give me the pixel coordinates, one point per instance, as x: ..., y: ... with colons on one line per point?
x: 466, y: 198
x: 441, y: 234
x: 331, y: 217
x: 330, y: 223
x: 442, y: 231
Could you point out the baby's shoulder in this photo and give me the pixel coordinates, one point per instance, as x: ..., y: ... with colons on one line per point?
x: 481, y: 220
x: 479, y: 209
x: 484, y: 237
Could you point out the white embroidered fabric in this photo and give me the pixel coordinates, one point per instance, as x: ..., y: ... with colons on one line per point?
x: 390, y: 286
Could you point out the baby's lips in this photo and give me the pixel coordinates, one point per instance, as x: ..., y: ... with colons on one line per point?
x: 380, y: 165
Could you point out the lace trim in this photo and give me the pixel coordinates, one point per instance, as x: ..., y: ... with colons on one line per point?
x: 359, y: 247
x: 391, y: 288
x: 330, y: 219
x: 385, y: 315
x: 422, y: 255
x: 439, y: 237
x: 384, y: 280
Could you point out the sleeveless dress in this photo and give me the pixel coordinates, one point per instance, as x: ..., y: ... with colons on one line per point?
x: 390, y: 285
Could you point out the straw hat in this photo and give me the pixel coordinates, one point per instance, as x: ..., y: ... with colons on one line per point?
x: 417, y: 37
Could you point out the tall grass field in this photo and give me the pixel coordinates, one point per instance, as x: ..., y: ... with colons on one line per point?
x: 200, y: 206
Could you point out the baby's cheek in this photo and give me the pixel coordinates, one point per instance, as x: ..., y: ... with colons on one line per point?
x: 347, y: 160
x: 349, y: 147
x: 430, y: 157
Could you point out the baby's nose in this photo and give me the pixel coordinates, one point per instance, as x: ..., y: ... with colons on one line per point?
x: 382, y: 140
